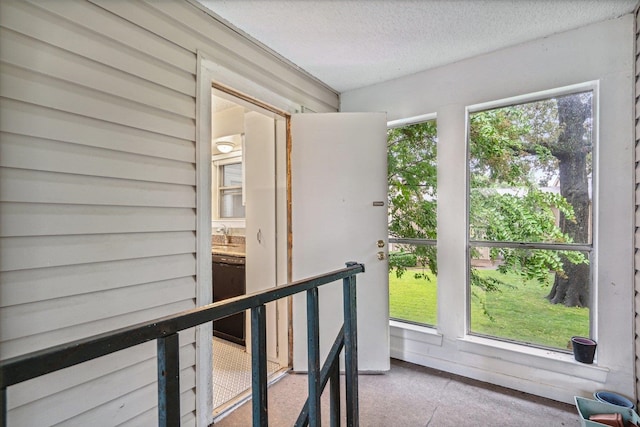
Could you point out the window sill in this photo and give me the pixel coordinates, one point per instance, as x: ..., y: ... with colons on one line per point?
x: 548, y: 360
x: 425, y: 334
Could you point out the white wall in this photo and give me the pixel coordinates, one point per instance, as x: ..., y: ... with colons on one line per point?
x: 104, y: 183
x: 601, y: 52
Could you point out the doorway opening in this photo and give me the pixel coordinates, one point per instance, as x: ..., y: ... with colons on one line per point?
x: 249, y: 247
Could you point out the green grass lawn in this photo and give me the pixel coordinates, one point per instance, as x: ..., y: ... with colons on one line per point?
x: 413, y: 299
x: 518, y: 312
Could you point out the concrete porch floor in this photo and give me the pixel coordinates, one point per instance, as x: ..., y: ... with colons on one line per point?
x: 411, y: 395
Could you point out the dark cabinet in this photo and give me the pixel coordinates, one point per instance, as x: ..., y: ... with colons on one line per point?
x: 228, y: 282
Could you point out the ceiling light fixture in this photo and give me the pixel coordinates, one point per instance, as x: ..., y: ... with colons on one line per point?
x: 225, y: 144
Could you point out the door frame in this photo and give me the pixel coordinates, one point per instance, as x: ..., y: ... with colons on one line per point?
x: 212, y: 74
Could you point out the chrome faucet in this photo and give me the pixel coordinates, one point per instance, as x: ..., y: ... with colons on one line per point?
x: 225, y: 233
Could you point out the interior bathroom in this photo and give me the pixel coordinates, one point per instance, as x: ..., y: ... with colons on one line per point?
x: 246, y: 193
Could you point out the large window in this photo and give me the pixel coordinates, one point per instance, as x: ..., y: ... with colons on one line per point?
x: 530, y: 215
x: 412, y: 222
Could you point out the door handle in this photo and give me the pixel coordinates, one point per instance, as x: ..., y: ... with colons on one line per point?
x: 380, y: 255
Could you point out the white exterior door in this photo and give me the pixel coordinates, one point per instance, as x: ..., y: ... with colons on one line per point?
x: 339, y: 213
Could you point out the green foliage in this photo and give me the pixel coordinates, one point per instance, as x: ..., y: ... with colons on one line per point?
x: 507, y: 145
x: 524, y: 217
x: 402, y: 260
x: 413, y: 256
x: 412, y: 196
x: 412, y: 180
x: 496, y: 143
x: 511, y: 157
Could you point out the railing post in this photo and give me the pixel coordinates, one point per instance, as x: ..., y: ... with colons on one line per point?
x: 334, y: 395
x: 3, y: 407
x: 168, y: 381
x: 350, y: 348
x: 313, y: 357
x: 259, y: 363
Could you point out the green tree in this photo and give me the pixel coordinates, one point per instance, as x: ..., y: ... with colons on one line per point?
x: 412, y: 189
x: 522, y: 148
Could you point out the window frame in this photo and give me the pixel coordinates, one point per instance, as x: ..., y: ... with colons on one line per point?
x: 589, y: 248
x: 415, y: 242
x: 217, y: 162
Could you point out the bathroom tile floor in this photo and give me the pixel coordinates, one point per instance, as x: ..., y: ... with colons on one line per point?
x: 232, y: 373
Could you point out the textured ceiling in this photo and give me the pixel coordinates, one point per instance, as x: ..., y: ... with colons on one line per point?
x: 349, y: 44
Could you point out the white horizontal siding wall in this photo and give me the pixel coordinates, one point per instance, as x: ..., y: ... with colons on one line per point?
x: 98, y: 192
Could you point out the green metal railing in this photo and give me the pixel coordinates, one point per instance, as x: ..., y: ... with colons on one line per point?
x: 165, y: 332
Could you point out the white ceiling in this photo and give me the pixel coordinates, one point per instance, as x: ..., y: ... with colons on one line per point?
x: 349, y: 44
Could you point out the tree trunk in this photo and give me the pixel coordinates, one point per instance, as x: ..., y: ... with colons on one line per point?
x: 572, y: 288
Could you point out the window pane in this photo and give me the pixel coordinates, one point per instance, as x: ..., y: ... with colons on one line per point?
x: 413, y: 294
x: 530, y: 174
x: 512, y: 307
x: 231, y: 203
x: 232, y: 175
x: 530, y: 171
x: 412, y: 178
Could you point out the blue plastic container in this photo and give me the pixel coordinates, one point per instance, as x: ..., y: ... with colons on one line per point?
x: 614, y: 399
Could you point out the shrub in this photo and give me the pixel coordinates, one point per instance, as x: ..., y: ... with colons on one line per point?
x: 402, y: 259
